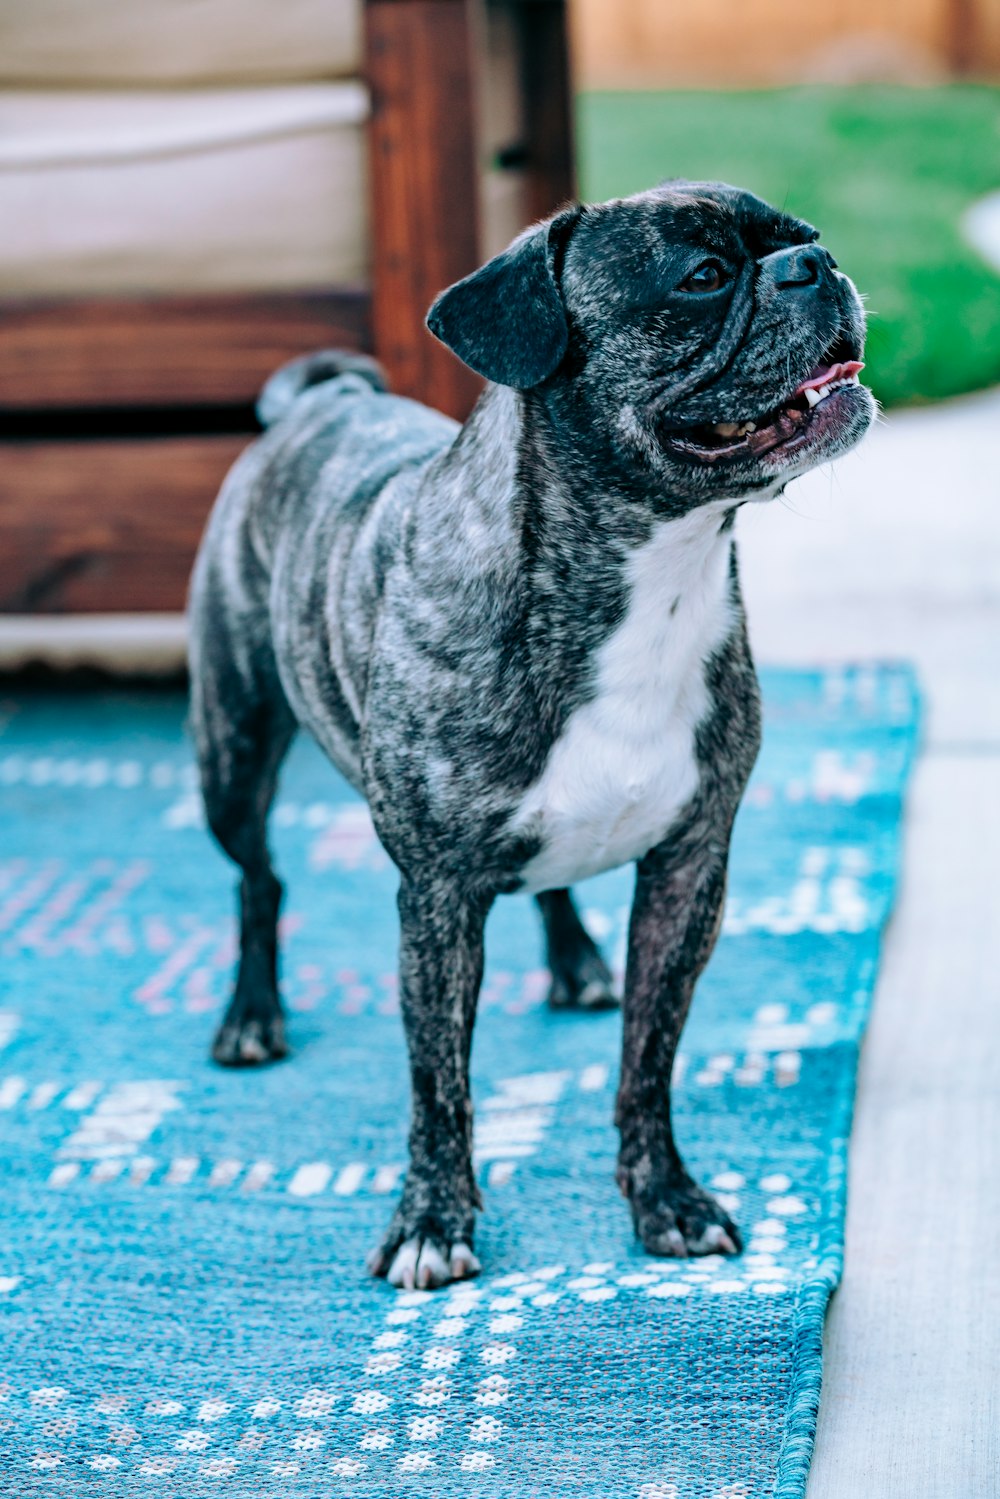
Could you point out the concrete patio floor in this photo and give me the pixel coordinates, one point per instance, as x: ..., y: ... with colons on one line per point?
x: 897, y: 554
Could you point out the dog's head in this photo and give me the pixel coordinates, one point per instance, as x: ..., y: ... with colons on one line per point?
x: 698, y: 331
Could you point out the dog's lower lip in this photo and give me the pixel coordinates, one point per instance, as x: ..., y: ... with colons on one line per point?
x: 789, y: 423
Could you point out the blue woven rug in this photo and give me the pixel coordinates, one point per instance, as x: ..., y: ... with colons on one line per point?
x: 182, y: 1296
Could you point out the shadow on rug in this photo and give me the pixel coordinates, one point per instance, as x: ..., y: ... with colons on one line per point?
x: 181, y: 1277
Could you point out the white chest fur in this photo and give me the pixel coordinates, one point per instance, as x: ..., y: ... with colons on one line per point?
x: 625, y: 765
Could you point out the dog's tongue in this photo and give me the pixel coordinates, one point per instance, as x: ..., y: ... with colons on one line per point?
x: 823, y: 374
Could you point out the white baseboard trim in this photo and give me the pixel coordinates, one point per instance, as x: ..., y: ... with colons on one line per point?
x: 126, y: 643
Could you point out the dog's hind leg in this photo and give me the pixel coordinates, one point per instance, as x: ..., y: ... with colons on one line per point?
x: 242, y: 728
x: 581, y: 980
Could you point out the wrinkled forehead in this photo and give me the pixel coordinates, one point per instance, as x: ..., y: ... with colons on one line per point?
x: 731, y: 210
x: 631, y: 241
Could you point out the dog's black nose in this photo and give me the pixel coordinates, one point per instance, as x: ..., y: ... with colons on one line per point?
x: 800, y: 265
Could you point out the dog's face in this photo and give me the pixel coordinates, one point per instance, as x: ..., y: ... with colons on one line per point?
x: 699, y: 331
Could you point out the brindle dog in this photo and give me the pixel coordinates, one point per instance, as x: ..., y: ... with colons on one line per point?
x: 523, y: 641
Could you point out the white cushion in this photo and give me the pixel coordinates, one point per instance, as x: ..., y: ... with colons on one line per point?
x: 72, y: 43
x: 198, y: 190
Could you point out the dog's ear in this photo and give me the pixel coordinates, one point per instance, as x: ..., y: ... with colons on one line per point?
x: 507, y: 321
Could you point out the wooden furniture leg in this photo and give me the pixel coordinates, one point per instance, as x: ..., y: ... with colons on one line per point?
x: 547, y: 104
x: 424, y: 187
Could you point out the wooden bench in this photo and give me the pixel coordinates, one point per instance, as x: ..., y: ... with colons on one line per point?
x: 119, y: 415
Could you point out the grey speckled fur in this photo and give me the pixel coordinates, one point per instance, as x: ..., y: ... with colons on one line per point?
x: 439, y: 606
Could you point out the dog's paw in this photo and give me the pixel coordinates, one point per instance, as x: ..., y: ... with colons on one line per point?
x: 680, y: 1219
x: 585, y: 985
x: 249, y: 1042
x: 423, y: 1264
x: 429, y: 1240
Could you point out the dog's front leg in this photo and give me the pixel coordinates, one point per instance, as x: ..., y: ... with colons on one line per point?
x: 429, y: 1241
x: 676, y: 915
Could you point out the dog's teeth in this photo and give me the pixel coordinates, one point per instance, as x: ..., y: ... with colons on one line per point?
x: 814, y: 396
x: 726, y: 429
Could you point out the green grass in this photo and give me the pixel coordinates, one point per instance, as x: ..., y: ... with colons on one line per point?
x: 885, y: 173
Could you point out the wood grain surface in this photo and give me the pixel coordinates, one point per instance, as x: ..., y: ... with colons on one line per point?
x: 92, y: 526
x: 165, y: 351
x: 424, y: 186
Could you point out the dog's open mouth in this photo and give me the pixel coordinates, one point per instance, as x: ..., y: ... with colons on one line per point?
x: 814, y: 401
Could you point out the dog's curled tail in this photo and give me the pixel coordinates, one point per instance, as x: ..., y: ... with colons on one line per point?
x: 287, y: 384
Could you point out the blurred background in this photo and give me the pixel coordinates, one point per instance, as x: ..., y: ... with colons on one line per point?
x: 861, y: 117
x: 193, y: 192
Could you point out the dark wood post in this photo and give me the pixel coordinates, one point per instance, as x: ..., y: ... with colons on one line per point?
x: 546, y: 89
x: 424, y: 187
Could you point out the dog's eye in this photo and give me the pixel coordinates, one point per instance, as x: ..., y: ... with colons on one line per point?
x: 708, y: 277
